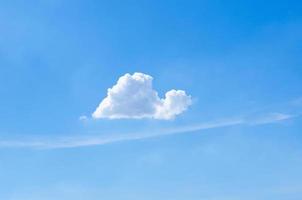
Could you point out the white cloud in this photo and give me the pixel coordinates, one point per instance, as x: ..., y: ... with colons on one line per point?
x: 271, y: 118
x: 83, y: 118
x: 134, y: 97
x: 82, y: 141
x: 92, y: 140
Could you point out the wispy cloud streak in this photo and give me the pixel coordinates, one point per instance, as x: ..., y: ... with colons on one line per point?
x: 73, y: 142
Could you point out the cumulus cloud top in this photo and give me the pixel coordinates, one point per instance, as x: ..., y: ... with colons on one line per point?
x: 134, y: 97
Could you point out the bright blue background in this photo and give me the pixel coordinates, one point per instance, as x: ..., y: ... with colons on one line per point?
x: 57, y: 59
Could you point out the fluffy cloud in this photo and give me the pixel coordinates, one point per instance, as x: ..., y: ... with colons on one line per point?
x: 134, y: 97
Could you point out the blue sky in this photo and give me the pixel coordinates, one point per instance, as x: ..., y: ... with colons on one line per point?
x: 239, y: 138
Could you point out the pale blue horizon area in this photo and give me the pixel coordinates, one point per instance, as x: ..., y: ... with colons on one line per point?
x: 239, y: 60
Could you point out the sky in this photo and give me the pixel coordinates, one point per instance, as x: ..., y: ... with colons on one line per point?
x: 150, y: 99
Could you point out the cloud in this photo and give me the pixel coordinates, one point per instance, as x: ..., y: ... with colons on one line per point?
x: 133, y: 97
x: 83, y: 118
x: 271, y: 118
x: 84, y: 141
